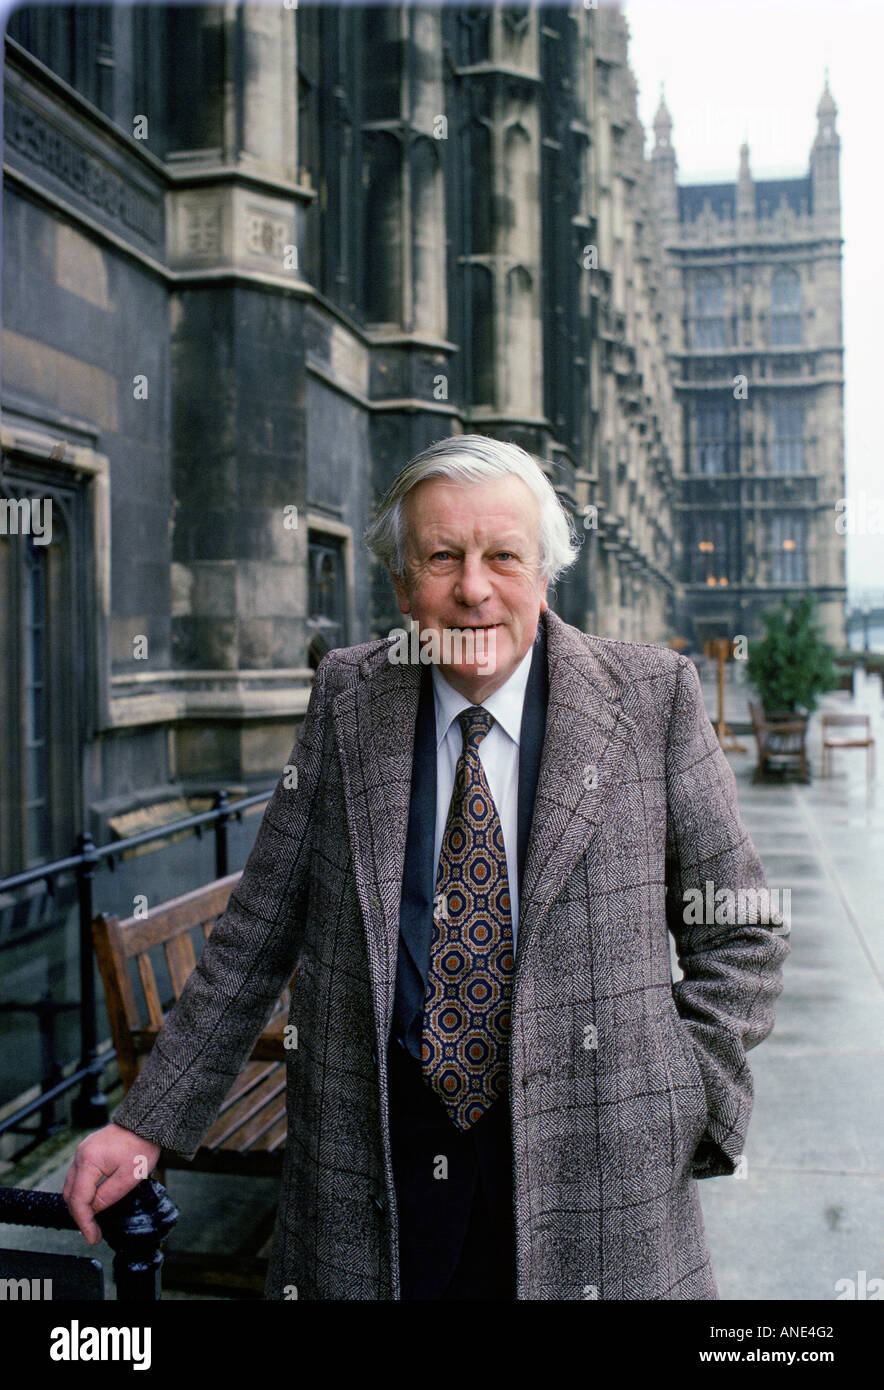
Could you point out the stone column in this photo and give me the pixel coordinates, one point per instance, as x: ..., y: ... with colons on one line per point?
x: 238, y: 421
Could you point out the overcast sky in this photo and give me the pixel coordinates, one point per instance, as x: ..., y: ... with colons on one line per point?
x: 755, y: 71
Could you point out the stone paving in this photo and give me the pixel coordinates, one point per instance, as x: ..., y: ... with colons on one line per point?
x: 807, y: 1219
x: 809, y: 1213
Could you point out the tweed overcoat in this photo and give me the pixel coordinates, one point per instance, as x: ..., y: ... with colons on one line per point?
x: 624, y: 1088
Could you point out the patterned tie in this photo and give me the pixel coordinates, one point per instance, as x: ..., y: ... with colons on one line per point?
x: 467, y: 1006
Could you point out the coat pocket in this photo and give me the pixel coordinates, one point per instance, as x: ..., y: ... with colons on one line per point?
x: 685, y: 1045
x: 690, y: 1096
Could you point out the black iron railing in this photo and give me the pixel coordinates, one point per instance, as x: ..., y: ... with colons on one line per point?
x: 134, y: 1227
x: 89, y: 1109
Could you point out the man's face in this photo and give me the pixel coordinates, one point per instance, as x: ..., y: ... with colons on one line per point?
x: 472, y: 561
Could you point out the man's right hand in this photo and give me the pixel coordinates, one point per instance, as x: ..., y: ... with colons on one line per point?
x: 107, y: 1165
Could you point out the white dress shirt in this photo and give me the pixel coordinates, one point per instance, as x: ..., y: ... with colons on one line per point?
x: 498, y: 754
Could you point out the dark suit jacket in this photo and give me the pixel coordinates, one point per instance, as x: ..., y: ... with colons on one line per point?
x: 435, y: 1213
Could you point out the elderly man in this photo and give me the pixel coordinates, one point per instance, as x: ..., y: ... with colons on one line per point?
x: 498, y: 1091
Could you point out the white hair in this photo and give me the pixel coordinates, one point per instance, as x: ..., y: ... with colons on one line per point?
x: 474, y: 458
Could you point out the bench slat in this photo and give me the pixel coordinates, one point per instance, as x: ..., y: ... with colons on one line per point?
x: 239, y: 1124
x: 252, y: 1075
x: 180, y: 959
x: 196, y: 908
x: 275, y: 1137
x: 255, y: 1138
x: 151, y: 995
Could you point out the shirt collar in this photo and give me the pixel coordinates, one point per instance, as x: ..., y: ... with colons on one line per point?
x: 505, y: 704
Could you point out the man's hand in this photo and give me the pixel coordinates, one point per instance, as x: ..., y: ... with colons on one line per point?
x: 107, y: 1165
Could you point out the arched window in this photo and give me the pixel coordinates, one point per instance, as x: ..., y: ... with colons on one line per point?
x: 195, y: 45
x: 481, y: 337
x: 787, y: 429
x: 709, y: 325
x: 787, y: 548
x: 382, y: 57
x: 481, y: 185
x: 474, y: 36
x: 710, y: 452
x: 710, y: 557
x: 785, y: 309
x: 428, y: 248
x: 382, y: 228
x: 523, y: 337
x: 327, y: 590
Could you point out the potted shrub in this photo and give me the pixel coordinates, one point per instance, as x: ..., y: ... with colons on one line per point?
x: 789, y: 666
x: 792, y: 663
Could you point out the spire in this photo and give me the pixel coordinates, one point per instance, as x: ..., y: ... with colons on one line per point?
x: 664, y: 164
x: 826, y: 110
x: 825, y: 162
x: 662, y: 124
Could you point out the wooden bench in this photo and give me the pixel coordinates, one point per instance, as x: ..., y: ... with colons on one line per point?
x: 847, y: 721
x: 781, y: 742
x: 144, y: 963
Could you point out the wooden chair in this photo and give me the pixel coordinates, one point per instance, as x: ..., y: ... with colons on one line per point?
x: 781, y: 742
x: 847, y: 721
x: 250, y: 1132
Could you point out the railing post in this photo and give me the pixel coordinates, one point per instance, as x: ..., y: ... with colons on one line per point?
x: 51, y: 1072
x: 221, y: 805
x: 135, y: 1228
x: 90, y: 1108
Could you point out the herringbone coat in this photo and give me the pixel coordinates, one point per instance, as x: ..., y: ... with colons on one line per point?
x: 615, y: 1076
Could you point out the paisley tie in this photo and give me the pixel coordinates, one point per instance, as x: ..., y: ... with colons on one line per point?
x: 467, y: 1006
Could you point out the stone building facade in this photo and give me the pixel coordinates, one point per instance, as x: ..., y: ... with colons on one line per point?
x: 633, y: 436
x: 754, y: 338
x: 255, y: 258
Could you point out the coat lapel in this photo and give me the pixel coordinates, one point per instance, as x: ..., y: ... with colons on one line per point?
x: 587, y: 734
x: 374, y: 724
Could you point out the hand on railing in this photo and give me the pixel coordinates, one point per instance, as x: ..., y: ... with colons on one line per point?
x: 135, y: 1227
x: 107, y: 1165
